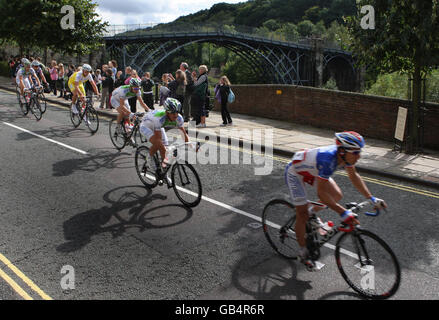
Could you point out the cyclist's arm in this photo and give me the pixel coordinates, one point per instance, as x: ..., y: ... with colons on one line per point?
x: 43, y: 77
x: 38, y: 80
x: 143, y: 104
x: 186, y: 137
x: 323, y: 187
x: 358, y: 182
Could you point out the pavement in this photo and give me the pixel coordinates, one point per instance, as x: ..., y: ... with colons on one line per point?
x: 378, y: 157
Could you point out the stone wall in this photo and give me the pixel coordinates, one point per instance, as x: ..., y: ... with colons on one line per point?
x: 372, y: 116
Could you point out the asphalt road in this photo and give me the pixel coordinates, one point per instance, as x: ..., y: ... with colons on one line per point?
x: 89, y: 213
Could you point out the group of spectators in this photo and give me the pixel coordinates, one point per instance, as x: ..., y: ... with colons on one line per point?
x: 190, y: 88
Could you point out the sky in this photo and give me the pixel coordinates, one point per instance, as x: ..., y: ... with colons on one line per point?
x: 151, y: 11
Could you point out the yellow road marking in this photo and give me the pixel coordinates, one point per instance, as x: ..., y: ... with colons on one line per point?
x: 372, y: 180
x: 23, y: 277
x: 15, y: 286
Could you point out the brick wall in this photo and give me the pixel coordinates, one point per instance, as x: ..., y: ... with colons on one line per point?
x: 371, y: 116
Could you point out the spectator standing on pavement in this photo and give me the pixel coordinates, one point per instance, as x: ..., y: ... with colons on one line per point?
x: 107, y: 88
x: 11, y: 64
x: 60, y: 81
x: 188, y: 91
x: 177, y: 86
x: 147, y: 84
x: 164, y: 91
x: 99, y: 80
x: 113, y: 66
x: 198, y: 98
x: 119, y: 80
x: 222, y: 91
x: 53, y: 76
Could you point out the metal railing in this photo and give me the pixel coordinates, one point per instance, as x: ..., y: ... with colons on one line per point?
x: 185, y: 28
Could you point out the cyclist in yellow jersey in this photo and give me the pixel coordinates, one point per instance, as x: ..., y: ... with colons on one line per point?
x: 76, y: 86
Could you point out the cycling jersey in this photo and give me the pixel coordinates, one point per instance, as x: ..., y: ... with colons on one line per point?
x: 25, y: 74
x: 306, y: 166
x: 124, y: 92
x: 38, y: 72
x: 80, y: 78
x: 22, y: 72
x: 157, y: 119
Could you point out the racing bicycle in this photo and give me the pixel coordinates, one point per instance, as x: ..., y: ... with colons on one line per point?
x: 365, y: 261
x: 29, y: 101
x: 120, y: 136
x: 86, y: 113
x: 179, y: 175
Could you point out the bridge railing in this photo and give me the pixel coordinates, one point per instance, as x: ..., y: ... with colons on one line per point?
x: 185, y: 28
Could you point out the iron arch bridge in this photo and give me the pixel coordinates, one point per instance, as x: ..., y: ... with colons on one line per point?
x: 275, y: 61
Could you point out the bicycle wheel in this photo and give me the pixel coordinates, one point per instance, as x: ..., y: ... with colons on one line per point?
x: 75, y: 117
x: 36, y: 108
x: 146, y: 175
x: 368, y: 264
x: 23, y: 105
x: 92, y: 119
x: 43, y: 102
x: 186, y: 184
x: 117, y: 134
x: 278, y: 222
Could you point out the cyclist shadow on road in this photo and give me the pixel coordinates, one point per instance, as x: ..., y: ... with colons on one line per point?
x: 106, y: 159
x: 55, y: 132
x: 127, y: 210
x: 10, y: 116
x: 274, y: 279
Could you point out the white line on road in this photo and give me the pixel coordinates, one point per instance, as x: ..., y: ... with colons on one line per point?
x: 252, y: 216
x: 47, y: 139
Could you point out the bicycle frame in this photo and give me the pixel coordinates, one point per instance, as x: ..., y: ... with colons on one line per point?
x: 163, y: 171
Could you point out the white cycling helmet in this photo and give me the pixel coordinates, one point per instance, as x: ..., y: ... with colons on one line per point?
x: 349, y: 140
x: 87, y: 67
x: 25, y: 62
x: 35, y: 63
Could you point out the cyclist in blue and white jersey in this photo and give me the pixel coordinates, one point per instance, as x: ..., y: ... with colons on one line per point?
x: 24, y: 76
x: 315, y: 167
x: 154, y: 124
x: 36, y: 66
x: 119, y: 99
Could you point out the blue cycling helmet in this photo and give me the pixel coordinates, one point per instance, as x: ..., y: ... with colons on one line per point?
x: 349, y: 140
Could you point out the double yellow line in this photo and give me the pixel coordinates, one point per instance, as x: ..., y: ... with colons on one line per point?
x: 14, y: 285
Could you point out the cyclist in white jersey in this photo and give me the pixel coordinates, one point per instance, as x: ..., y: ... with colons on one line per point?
x: 153, y: 128
x: 119, y: 100
x: 24, y: 76
x: 315, y: 167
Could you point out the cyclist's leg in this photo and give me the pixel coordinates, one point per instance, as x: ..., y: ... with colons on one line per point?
x: 299, y: 199
x: 334, y: 191
x: 123, y: 111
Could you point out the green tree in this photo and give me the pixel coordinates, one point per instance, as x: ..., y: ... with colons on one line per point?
x: 405, y: 39
x: 35, y: 23
x: 305, y: 28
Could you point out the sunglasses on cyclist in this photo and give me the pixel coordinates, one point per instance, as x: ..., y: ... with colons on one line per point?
x: 354, y: 151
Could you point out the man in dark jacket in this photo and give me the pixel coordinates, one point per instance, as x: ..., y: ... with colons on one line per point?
x: 107, y: 86
x: 147, y: 84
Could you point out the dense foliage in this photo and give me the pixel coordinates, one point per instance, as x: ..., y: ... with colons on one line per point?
x: 288, y: 20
